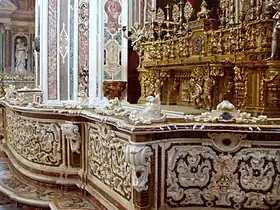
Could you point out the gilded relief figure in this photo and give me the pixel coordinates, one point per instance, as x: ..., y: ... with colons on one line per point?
x: 207, y: 92
x: 275, y: 5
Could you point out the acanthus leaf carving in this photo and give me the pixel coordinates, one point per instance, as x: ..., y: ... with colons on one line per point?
x: 22, y: 97
x: 139, y: 157
x: 38, y: 142
x: 72, y: 134
x: 106, y: 159
x: 244, y: 179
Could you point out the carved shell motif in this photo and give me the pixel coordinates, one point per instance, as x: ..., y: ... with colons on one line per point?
x: 160, y: 16
x: 176, y: 13
x: 188, y: 10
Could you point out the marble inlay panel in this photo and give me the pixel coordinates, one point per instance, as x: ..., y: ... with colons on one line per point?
x: 106, y: 159
x: 52, y: 50
x: 113, y: 10
x: 112, y: 42
x: 83, y: 44
x: 63, y: 50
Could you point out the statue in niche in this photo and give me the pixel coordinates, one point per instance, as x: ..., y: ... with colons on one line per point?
x: 21, y: 55
x: 276, y: 28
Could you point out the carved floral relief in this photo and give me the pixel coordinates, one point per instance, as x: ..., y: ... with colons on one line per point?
x: 200, y: 175
x: 38, y: 142
x: 107, y: 159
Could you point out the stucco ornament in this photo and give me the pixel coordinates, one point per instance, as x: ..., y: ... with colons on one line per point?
x: 226, y: 112
x: 83, y: 97
x: 23, y: 97
x: 150, y: 114
x: 106, y: 159
x: 72, y: 134
x: 113, y: 108
x: 139, y: 157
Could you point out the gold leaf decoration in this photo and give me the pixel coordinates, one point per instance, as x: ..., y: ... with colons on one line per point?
x: 176, y: 13
x: 188, y: 10
x: 160, y: 16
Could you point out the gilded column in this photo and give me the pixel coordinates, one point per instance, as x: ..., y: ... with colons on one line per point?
x: 8, y: 42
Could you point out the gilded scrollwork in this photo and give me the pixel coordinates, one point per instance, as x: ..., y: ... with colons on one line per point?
x: 38, y: 142
x: 197, y: 90
x: 245, y: 38
x: 240, y: 86
x: 106, y: 153
x: 151, y: 83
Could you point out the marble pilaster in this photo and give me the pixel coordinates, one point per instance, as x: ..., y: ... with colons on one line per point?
x: 83, y: 45
x: 60, y: 51
x: 8, y: 48
x: 2, y: 45
x: 63, y: 65
x: 52, y: 50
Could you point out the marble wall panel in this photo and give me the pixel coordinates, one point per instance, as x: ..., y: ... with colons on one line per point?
x: 141, y: 11
x: 83, y: 45
x: 52, y: 50
x: 8, y: 50
x: 72, y: 41
x: 63, y: 49
x: 113, y: 40
x: 1, y: 50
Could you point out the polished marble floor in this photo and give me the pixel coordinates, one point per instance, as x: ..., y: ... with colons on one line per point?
x: 9, y: 207
x: 14, y: 185
x: 6, y: 203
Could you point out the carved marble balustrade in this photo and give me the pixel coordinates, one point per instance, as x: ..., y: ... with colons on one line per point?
x: 186, y: 162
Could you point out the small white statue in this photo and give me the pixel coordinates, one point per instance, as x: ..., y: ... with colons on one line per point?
x: 83, y: 98
x: 21, y: 56
x: 204, y: 12
x: 114, y: 108
x: 151, y: 112
x: 225, y: 112
x: 276, y: 28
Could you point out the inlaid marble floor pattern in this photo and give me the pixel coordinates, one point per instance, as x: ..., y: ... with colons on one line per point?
x: 6, y: 203
x: 9, y: 207
x: 13, y: 185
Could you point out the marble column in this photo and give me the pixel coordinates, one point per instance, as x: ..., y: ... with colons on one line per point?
x: 53, y: 59
x: 62, y: 41
x: 37, y: 34
x: 2, y: 46
x: 8, y: 47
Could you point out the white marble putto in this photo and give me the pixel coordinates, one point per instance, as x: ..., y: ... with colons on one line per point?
x: 151, y: 113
